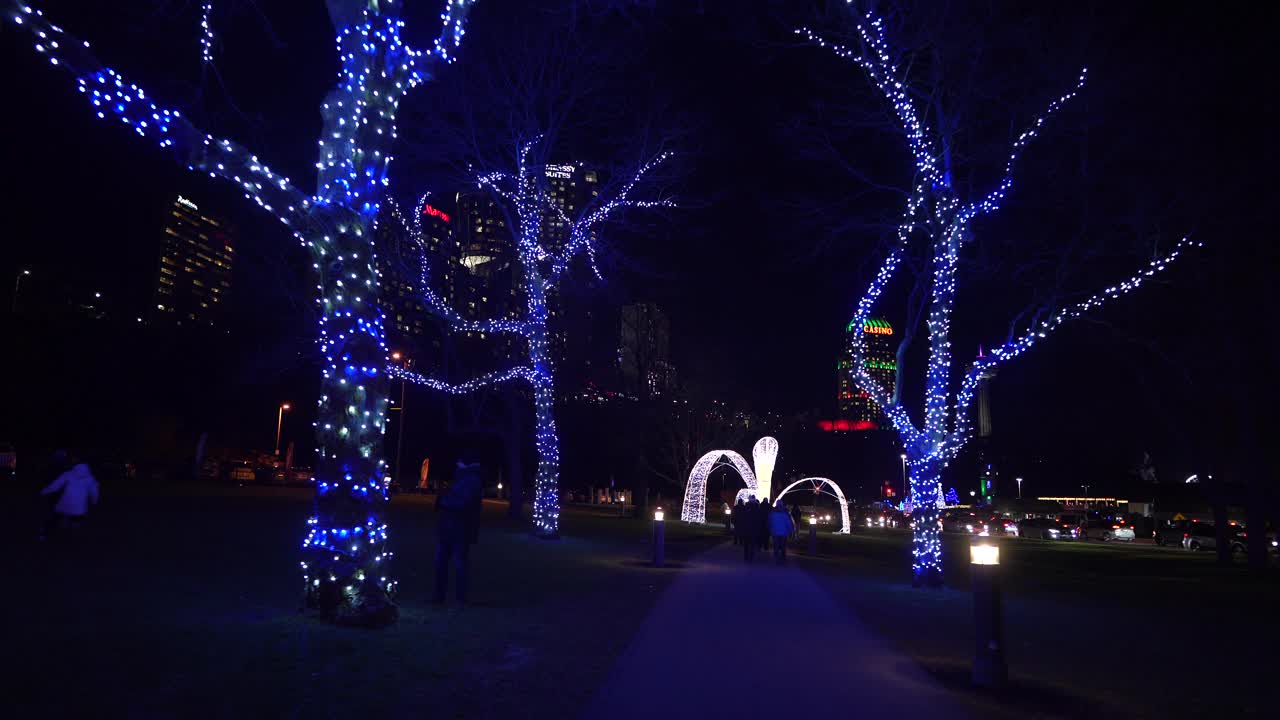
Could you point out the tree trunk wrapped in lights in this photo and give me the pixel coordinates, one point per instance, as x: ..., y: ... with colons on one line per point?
x: 528, y: 203
x: 345, y: 564
x: 935, y: 211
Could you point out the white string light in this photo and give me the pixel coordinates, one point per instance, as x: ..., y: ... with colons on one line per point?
x: 526, y: 194
x: 929, y: 448
x: 815, y: 485
x: 694, y: 509
x: 377, y: 69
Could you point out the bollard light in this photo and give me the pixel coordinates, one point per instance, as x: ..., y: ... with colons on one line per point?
x: 989, y: 667
x: 659, y: 538
x: 984, y: 554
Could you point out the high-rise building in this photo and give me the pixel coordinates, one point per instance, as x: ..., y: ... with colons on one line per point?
x: 196, y: 256
x: 400, y: 270
x: 578, y: 351
x: 880, y: 360
x: 644, y: 361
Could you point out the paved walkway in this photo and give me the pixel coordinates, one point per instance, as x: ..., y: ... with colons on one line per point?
x: 729, y: 640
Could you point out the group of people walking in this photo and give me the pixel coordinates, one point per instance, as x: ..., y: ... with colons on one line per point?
x: 758, y: 525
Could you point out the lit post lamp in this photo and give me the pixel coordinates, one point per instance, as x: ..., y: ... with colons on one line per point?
x: 989, y: 668
x: 813, y: 534
x: 395, y: 469
x: 1019, y: 488
x: 905, y: 489
x: 499, y: 491
x: 728, y: 521
x: 659, y: 538
x: 280, y: 423
x: 17, y: 286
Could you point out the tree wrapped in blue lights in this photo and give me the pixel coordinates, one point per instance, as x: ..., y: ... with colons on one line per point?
x: 936, y: 214
x: 542, y: 263
x: 345, y: 555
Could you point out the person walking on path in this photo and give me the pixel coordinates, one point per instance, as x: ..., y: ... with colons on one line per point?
x: 780, y: 527
x: 739, y: 514
x: 458, y: 527
x: 795, y: 520
x: 79, y: 490
x: 750, y: 528
x: 762, y: 522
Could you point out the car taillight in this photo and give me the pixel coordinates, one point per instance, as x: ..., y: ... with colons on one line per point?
x: 1115, y: 527
x: 1186, y: 535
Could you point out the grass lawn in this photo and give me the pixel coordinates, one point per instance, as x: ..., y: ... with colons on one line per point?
x: 183, y: 602
x: 1091, y: 630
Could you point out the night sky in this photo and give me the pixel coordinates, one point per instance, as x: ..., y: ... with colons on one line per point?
x: 760, y: 267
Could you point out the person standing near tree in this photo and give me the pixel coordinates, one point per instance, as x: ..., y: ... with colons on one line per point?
x: 457, y: 528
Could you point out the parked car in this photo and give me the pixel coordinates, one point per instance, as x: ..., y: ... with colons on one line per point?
x: 1048, y: 529
x: 998, y: 525
x: 963, y: 521
x: 1200, y: 536
x: 1108, y: 530
x: 1240, y: 542
x: 1171, y: 532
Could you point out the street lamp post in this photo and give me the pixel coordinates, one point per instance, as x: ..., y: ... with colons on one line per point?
x: 1019, y: 488
x: 395, y: 469
x: 905, y: 490
x: 17, y: 285
x: 280, y: 423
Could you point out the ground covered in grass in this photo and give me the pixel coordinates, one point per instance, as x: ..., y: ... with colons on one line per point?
x: 184, y: 602
x: 1092, y: 630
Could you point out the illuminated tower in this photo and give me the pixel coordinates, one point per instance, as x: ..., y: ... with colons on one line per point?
x: 195, y: 265
x: 880, y: 359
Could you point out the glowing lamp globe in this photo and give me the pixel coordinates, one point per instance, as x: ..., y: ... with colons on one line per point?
x: 984, y: 554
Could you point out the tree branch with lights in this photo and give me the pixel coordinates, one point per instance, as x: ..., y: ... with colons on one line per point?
x: 934, y: 213
x: 345, y: 551
x: 525, y: 196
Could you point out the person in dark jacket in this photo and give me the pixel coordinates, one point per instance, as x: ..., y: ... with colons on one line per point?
x: 750, y: 526
x: 739, y: 515
x: 795, y: 520
x: 780, y: 528
x: 762, y: 523
x: 457, y: 527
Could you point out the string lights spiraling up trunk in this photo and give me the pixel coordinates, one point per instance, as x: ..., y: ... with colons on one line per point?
x: 345, y: 555
x: 935, y: 210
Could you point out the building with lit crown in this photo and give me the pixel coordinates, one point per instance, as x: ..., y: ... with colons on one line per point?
x: 856, y: 408
x: 194, y: 274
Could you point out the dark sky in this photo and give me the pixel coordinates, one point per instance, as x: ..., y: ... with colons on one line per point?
x: 761, y: 266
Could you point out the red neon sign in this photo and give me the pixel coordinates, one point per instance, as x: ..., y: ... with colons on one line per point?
x: 433, y: 212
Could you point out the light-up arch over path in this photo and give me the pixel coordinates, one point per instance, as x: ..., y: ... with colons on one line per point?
x: 695, y: 492
x: 815, y: 485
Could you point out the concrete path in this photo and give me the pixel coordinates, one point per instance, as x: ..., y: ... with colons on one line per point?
x: 730, y: 640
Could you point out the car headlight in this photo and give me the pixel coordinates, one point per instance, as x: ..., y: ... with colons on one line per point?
x: 1052, y: 531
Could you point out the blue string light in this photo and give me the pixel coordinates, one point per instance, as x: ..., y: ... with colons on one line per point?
x: 377, y: 69
x: 934, y: 207
x: 542, y: 268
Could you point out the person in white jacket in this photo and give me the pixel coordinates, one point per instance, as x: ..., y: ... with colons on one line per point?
x: 79, y: 491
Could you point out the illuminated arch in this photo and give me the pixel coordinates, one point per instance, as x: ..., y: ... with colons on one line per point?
x: 695, y: 492
x: 816, y: 483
